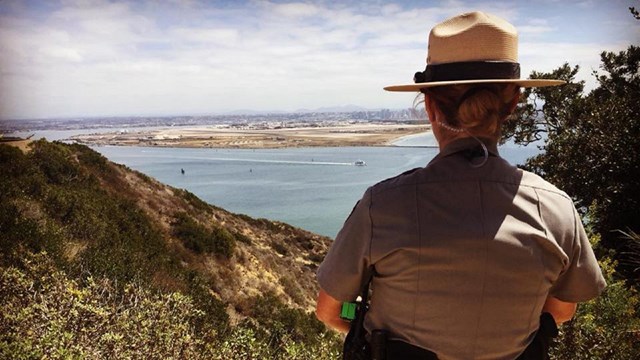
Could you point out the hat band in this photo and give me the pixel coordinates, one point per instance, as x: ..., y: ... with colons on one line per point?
x: 471, y: 70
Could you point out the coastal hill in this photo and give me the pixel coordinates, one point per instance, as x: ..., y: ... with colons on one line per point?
x: 71, y: 220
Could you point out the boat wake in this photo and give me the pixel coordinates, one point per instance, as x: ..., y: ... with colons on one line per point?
x: 265, y: 161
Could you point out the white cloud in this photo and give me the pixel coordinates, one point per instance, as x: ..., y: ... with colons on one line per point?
x: 294, y: 10
x: 533, y: 29
x: 546, y: 56
x: 63, y: 53
x: 390, y: 9
x: 116, y: 58
x: 199, y: 36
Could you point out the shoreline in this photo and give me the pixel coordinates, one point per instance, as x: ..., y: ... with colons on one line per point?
x: 258, y: 138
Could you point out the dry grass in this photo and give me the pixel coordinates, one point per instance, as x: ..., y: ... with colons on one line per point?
x: 23, y: 145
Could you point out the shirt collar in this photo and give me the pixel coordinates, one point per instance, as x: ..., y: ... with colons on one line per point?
x: 468, y: 143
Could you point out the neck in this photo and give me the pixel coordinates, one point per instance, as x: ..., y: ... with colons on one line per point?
x: 444, y: 141
x: 445, y: 136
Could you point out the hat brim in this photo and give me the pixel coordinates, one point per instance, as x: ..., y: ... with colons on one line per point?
x: 519, y: 82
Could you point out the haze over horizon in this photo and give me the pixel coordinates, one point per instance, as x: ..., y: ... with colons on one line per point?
x: 99, y: 58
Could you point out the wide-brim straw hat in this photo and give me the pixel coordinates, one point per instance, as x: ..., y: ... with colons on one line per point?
x: 472, y: 48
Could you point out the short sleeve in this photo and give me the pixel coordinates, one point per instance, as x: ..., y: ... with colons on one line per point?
x: 582, y: 280
x: 346, y: 267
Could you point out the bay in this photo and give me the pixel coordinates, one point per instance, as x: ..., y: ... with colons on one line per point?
x: 311, y: 188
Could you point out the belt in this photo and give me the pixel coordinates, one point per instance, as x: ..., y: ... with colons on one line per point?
x: 400, y: 350
x: 382, y: 348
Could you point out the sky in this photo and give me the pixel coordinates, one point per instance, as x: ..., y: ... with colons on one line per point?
x: 95, y: 58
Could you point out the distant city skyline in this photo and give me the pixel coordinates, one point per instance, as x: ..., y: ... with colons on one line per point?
x: 92, y: 58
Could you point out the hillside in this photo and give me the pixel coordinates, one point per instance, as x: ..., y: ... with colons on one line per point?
x: 69, y: 215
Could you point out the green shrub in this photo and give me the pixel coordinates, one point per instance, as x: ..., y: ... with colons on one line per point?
x: 194, y: 236
x: 55, y: 161
x: 315, y: 258
x: 282, y: 322
x: 16, y: 230
x: 120, y: 235
x: 214, y: 311
x: 53, y: 198
x: 292, y: 288
x: 279, y: 248
x: 19, y: 177
x: 194, y: 201
x: 199, y: 239
x: 223, y: 242
x: 91, y: 158
x: 242, y: 238
x: 21, y: 183
x: 304, y: 242
x: 607, y: 327
x: 47, y: 314
x: 245, y: 342
x: 268, y: 225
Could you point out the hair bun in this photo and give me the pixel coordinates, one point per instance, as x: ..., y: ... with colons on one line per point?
x: 479, y: 110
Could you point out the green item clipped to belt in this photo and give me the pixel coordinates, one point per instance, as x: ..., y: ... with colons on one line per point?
x: 348, y: 311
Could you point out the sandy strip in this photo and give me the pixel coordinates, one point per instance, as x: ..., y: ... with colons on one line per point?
x: 257, y: 138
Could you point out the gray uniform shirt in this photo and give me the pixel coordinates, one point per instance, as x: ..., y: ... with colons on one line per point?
x: 464, y: 257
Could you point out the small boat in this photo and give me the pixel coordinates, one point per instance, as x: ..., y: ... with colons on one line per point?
x: 360, y: 163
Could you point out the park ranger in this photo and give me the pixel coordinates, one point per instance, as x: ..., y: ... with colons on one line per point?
x: 469, y: 257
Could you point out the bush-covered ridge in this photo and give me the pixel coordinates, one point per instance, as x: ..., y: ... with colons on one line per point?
x: 46, y: 314
x: 101, y: 223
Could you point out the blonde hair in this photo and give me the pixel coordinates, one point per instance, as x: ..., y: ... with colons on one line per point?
x: 477, y: 109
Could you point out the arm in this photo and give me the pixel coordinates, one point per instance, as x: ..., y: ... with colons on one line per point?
x: 328, y: 311
x: 560, y: 310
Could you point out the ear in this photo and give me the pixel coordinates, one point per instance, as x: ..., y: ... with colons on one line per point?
x: 514, y: 101
x: 429, y: 106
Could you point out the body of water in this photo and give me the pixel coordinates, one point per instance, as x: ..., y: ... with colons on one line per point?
x: 312, y: 188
